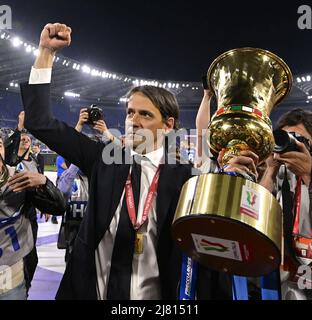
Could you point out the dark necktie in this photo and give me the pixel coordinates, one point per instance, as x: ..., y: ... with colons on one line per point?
x: 121, y: 266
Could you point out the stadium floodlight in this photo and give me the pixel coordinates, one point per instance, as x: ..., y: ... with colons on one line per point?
x: 298, y: 80
x: 36, y: 52
x: 28, y: 49
x: 95, y: 72
x: 71, y: 94
x: 86, y: 69
x: 303, y: 79
x: 3, y: 35
x: 11, y: 84
x: 308, y: 78
x: 16, y: 42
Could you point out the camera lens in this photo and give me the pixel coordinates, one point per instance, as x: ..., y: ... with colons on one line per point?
x: 95, y: 114
x: 284, y: 142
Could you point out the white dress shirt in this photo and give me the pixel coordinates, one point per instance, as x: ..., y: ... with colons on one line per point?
x: 40, y: 76
x: 145, y: 283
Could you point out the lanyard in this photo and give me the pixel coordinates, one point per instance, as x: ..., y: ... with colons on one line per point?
x: 148, y: 201
x: 297, y: 206
x: 188, y: 278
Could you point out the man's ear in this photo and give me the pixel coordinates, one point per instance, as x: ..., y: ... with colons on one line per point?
x: 169, y: 124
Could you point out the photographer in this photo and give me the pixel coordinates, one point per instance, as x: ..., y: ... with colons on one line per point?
x: 73, y: 183
x: 94, y: 117
x: 288, y: 175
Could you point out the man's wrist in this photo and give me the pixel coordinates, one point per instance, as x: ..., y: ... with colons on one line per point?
x: 45, y: 58
x: 78, y: 127
x: 43, y: 182
x: 107, y: 134
x: 271, y: 172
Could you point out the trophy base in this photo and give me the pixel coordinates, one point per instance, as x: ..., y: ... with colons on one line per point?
x: 229, y: 224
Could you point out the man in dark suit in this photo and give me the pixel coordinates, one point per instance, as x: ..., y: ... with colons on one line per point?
x: 38, y: 156
x: 124, y: 248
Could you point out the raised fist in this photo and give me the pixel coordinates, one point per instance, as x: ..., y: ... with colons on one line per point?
x: 55, y: 36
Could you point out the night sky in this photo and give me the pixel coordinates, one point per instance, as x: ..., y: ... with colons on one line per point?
x: 169, y: 40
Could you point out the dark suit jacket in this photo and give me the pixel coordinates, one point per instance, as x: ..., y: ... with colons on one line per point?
x: 106, y: 187
x: 40, y: 161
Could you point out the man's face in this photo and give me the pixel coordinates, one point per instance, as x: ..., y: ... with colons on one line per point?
x: 300, y: 129
x: 25, y: 142
x: 35, y: 149
x: 144, y: 120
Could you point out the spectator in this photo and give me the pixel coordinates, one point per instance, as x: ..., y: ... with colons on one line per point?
x: 20, y: 190
x: 288, y: 175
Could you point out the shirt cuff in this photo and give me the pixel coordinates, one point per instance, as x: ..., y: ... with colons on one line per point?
x: 40, y: 76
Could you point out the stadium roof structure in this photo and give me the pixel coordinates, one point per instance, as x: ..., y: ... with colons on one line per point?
x: 74, y: 80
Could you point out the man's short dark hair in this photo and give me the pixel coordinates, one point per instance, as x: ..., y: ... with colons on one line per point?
x: 295, y: 117
x: 163, y: 99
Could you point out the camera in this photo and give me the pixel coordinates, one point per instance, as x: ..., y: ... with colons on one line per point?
x: 94, y: 114
x: 286, y: 141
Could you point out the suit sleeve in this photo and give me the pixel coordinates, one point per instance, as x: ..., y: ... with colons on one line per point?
x: 11, y: 148
x: 49, y: 199
x: 58, y: 136
x: 40, y: 159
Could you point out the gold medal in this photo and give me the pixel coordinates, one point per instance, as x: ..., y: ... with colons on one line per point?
x: 138, y: 243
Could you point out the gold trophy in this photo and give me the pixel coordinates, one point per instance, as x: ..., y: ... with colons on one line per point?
x: 231, y: 223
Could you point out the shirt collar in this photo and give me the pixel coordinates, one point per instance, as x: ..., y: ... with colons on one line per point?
x: 155, y: 156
